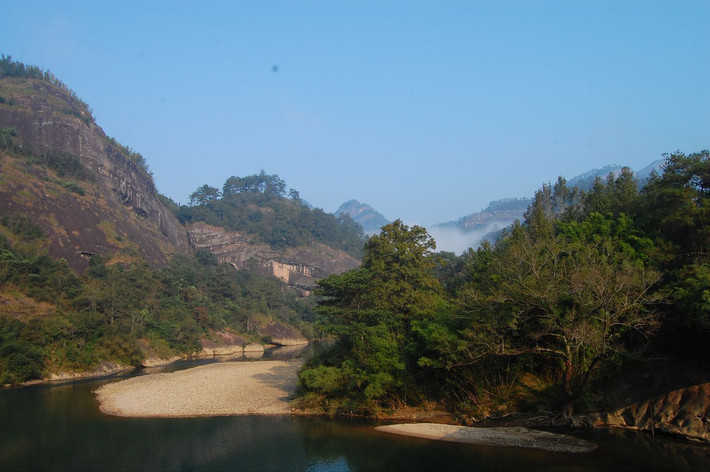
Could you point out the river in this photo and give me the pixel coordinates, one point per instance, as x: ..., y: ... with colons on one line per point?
x: 59, y: 427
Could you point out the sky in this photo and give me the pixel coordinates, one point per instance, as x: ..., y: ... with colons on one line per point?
x: 426, y: 110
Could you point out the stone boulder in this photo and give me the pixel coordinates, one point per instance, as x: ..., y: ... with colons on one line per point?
x: 223, y: 343
x: 282, y: 335
x: 684, y: 412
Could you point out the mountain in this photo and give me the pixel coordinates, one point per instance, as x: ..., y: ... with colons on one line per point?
x: 370, y: 219
x: 487, y: 224
x: 88, y: 194
x: 497, y: 215
x: 297, y: 266
x: 644, y: 174
x: 586, y: 180
x: 99, y: 272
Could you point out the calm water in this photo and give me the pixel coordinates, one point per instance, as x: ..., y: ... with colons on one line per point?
x: 59, y: 427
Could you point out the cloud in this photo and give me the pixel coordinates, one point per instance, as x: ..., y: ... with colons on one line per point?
x: 457, y: 241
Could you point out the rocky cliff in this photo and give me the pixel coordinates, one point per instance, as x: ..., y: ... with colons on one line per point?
x: 114, y: 210
x: 683, y: 412
x: 299, y: 267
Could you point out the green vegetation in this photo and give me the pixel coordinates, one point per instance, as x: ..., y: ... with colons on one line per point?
x: 374, y: 311
x: 10, y: 68
x: 589, y: 282
x: 6, y: 138
x: 99, y: 316
x: 257, y: 205
x: 64, y: 164
x: 22, y: 227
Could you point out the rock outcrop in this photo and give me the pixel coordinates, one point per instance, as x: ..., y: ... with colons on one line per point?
x: 299, y: 267
x: 226, y: 344
x: 282, y: 335
x: 118, y: 207
x: 105, y: 369
x: 684, y: 412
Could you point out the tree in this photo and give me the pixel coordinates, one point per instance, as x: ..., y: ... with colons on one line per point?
x: 552, y: 203
x: 572, y: 295
x: 617, y: 195
x: 204, y: 195
x: 675, y: 211
x: 371, y: 310
x: 400, y: 260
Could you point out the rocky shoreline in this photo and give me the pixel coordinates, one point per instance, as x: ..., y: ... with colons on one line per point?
x: 222, y: 352
x: 683, y: 412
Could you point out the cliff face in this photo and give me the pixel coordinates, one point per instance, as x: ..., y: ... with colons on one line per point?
x: 299, y: 267
x: 684, y: 412
x: 117, y: 210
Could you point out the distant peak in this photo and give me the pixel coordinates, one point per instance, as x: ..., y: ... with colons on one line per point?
x: 370, y: 219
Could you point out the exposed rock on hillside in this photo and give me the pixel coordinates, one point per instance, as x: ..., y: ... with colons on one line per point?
x: 683, y: 412
x: 282, y: 335
x: 118, y: 208
x: 299, y: 267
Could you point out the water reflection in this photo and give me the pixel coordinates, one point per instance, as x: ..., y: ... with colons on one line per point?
x: 59, y: 427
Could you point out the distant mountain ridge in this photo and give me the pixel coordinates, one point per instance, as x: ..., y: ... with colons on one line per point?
x: 586, y: 180
x: 370, y: 219
x: 470, y: 230
x: 487, y: 224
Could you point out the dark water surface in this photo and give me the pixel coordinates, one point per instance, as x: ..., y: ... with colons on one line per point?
x: 59, y: 427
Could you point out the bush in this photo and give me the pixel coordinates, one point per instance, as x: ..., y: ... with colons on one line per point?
x: 20, y: 359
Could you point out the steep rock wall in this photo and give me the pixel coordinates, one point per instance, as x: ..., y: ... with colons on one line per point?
x: 299, y: 267
x: 48, y: 119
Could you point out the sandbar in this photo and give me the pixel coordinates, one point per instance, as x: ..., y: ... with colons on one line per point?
x: 222, y: 389
x: 494, y: 436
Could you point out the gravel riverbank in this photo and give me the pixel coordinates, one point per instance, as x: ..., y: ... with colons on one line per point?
x: 224, y: 389
x: 266, y: 388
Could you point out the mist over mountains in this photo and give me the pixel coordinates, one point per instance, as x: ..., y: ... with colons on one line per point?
x: 486, y: 224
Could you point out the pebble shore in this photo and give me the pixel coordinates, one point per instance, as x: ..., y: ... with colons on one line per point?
x: 224, y: 389
x: 266, y: 388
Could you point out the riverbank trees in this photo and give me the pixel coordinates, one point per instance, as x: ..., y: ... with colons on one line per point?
x: 372, y: 311
x: 587, y: 282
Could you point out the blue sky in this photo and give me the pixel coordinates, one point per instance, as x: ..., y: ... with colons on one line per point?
x: 426, y: 110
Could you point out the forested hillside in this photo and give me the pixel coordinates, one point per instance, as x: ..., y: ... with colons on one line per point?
x: 96, y: 269
x: 260, y: 206
x: 53, y: 320
x: 592, y: 291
